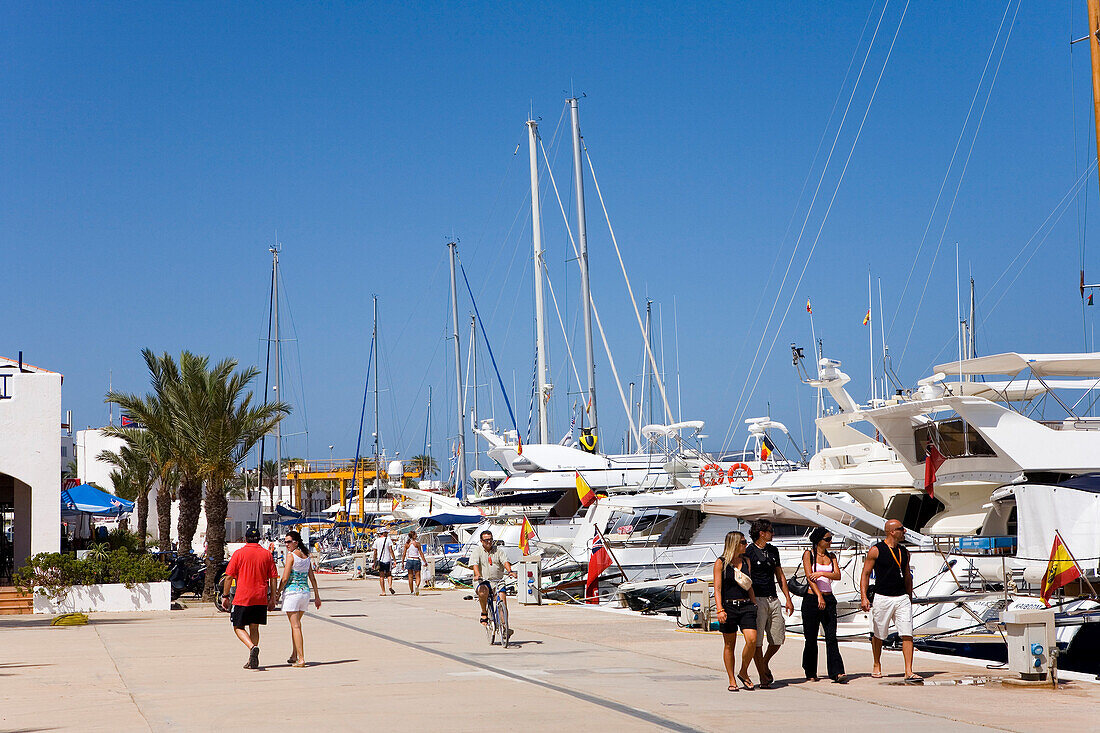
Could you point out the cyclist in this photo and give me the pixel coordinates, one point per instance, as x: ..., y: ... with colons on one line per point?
x: 489, y: 566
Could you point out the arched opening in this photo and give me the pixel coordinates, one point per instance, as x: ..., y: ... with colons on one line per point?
x: 15, y: 525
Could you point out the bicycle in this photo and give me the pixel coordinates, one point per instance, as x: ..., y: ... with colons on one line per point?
x: 497, y: 625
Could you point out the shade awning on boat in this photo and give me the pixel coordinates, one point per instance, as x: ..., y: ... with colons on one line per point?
x: 92, y: 500
x: 1042, y: 365
x: 762, y: 506
x: 446, y: 519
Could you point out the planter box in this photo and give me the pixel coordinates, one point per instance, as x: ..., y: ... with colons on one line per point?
x: 109, y: 597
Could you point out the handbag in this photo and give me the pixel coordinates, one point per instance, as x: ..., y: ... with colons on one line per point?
x: 742, y: 579
x: 798, y: 587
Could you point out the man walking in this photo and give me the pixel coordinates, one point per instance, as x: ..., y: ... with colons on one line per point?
x: 253, y: 567
x: 893, y: 597
x: 382, y: 556
x: 765, y: 570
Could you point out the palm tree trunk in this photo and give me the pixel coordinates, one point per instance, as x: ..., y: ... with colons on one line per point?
x: 216, y: 509
x: 142, y: 517
x: 164, y: 518
x: 190, y: 506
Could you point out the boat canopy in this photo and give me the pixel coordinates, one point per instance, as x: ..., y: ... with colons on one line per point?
x: 1042, y: 365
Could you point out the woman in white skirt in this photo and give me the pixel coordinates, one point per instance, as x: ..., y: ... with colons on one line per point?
x: 297, y: 577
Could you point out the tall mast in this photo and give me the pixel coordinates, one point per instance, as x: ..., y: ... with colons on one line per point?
x: 586, y: 293
x: 1094, y: 50
x: 460, y: 477
x: 540, y: 315
x: 377, y: 468
x: 970, y: 323
x: 473, y: 378
x: 278, y: 366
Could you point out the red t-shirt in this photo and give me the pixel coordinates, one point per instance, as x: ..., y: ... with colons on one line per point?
x: 252, y: 566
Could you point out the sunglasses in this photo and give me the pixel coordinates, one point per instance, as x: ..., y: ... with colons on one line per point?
x: 287, y: 542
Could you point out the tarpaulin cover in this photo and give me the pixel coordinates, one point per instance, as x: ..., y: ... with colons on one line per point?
x: 90, y: 500
x: 442, y: 520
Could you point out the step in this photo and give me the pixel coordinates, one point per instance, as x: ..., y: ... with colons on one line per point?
x: 13, y: 601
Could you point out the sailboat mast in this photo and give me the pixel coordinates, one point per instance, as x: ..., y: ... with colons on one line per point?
x: 473, y: 377
x: 970, y: 323
x: 586, y: 292
x: 278, y: 366
x: 377, y: 468
x: 460, y: 477
x: 540, y: 315
x: 1094, y: 51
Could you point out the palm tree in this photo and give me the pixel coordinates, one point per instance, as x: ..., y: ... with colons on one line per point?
x: 136, y: 471
x: 220, y: 425
x: 424, y: 465
x: 270, y: 477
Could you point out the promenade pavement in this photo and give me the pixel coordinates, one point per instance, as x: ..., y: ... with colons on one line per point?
x: 423, y: 663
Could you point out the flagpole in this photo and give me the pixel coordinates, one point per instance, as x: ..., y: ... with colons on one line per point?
x: 870, y: 337
x: 817, y: 368
x: 1069, y: 552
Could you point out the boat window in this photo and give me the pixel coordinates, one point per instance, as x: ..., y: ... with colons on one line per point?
x: 644, y: 522
x: 954, y: 438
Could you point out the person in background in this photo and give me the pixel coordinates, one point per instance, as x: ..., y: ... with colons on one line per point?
x: 414, y: 564
x: 819, y: 606
x: 382, y: 556
x: 766, y: 572
x: 893, y: 597
x: 253, y: 567
x: 294, y: 585
x: 737, y: 607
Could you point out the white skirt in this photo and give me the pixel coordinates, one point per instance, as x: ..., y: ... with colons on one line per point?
x: 295, y: 601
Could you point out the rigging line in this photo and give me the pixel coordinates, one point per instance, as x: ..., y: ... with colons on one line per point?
x: 829, y: 208
x: 359, y: 439
x: 806, y: 179
x: 564, y: 333
x: 1063, y: 206
x: 951, y: 164
x: 622, y: 265
x: 592, y: 301
x: 962, y: 176
x: 485, y: 337
x: 809, y: 211
x: 1076, y: 171
x: 298, y: 356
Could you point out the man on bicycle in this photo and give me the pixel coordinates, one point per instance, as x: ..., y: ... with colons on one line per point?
x: 489, y: 566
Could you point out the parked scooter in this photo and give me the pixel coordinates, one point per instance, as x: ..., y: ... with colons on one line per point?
x: 188, y: 575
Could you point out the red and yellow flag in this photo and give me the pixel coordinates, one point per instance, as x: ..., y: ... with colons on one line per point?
x: 867, y: 318
x: 809, y: 309
x: 584, y: 491
x: 1061, y: 569
x: 526, y: 534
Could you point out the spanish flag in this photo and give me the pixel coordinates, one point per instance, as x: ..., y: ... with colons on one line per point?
x: 808, y: 308
x: 867, y: 318
x: 1061, y: 569
x: 584, y: 491
x: 526, y: 534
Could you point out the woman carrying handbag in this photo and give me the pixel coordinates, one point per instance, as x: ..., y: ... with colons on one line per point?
x: 819, y: 607
x: 736, y: 607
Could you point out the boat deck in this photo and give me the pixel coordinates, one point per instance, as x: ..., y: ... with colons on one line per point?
x: 420, y: 663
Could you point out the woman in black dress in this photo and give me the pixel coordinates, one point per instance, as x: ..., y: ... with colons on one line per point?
x: 736, y: 607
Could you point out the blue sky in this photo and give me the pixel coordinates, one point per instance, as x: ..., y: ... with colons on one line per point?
x: 151, y: 152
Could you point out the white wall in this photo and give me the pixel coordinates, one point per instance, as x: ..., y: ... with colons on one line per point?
x: 91, y: 470
x: 30, y: 443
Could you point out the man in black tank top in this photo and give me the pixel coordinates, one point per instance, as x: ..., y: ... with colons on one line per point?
x: 893, y: 596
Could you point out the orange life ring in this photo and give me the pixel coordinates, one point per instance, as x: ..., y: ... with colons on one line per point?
x: 718, y: 475
x: 740, y: 470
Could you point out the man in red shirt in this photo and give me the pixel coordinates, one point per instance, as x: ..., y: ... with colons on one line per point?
x: 254, y: 569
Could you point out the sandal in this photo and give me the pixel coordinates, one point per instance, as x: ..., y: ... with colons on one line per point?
x: 746, y: 682
x: 298, y: 664
x: 732, y: 688
x: 292, y: 659
x: 914, y: 680
x: 768, y: 679
x: 485, y: 618
x: 841, y: 679
x: 876, y: 675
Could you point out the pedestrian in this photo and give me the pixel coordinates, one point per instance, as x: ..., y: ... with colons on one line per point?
x: 253, y: 568
x: 766, y: 572
x: 893, y: 597
x: 294, y: 586
x: 413, y: 564
x: 737, y: 607
x: 382, y: 555
x: 819, y: 607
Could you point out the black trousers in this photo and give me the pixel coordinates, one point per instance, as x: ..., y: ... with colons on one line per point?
x: 814, y: 618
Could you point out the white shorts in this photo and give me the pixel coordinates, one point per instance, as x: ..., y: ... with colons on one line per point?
x: 295, y: 601
x: 898, y: 609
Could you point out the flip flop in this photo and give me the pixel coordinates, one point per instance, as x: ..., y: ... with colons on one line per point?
x: 732, y: 688
x: 914, y: 680
x: 876, y: 675
x: 768, y: 679
x: 746, y: 682
x: 841, y: 679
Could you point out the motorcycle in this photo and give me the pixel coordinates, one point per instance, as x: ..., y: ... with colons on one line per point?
x: 188, y: 575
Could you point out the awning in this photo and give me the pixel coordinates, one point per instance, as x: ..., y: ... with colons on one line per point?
x: 444, y: 520
x: 91, y: 500
x: 1043, y: 365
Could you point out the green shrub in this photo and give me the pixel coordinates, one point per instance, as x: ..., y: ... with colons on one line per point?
x: 53, y: 574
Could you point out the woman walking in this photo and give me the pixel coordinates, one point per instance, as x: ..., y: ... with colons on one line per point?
x: 297, y: 577
x: 413, y: 564
x: 736, y: 608
x: 819, y: 606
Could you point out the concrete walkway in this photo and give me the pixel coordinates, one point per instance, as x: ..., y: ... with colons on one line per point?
x: 422, y: 663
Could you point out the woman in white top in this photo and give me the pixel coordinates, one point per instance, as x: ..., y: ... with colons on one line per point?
x: 295, y: 589
x: 819, y: 607
x: 412, y: 555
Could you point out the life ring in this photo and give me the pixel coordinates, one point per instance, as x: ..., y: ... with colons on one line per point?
x: 711, y: 475
x: 740, y: 471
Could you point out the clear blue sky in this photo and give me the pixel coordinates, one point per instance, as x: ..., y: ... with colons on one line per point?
x: 150, y: 152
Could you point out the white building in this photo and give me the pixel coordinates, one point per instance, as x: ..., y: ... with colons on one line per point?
x: 30, y: 443
x: 89, y: 444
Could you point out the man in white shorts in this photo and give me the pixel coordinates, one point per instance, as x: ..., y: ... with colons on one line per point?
x: 893, y: 597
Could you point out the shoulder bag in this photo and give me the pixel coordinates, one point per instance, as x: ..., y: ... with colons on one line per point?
x: 795, y: 586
